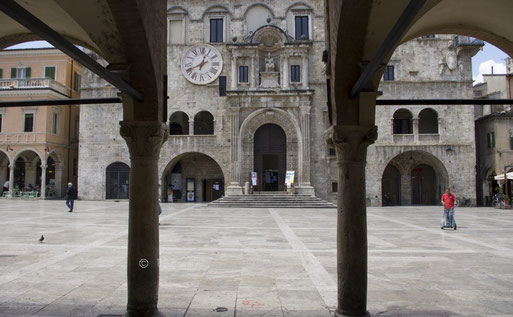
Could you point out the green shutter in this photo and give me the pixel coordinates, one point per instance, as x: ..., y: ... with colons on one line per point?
x: 1, y: 73
x: 50, y: 72
x: 511, y: 142
x: 13, y: 72
x: 489, y: 141
x: 493, y: 139
x: 27, y: 72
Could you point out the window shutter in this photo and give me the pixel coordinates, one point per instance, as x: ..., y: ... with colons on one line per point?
x: 493, y: 139
x: 50, y: 72
x: 13, y: 72
x: 1, y: 73
x: 488, y: 138
x: 27, y: 72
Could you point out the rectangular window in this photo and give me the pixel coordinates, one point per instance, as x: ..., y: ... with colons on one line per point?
x: 216, y: 30
x: 489, y: 140
x: 295, y: 74
x: 332, y: 152
x: 76, y: 81
x: 334, y: 187
x: 302, y: 28
x: 55, y: 123
x: 222, y: 86
x: 510, y: 138
x: 29, y: 122
x: 20, y: 72
x: 0, y: 123
x: 493, y: 139
x: 1, y: 73
x: 176, y: 34
x: 50, y: 72
x: 243, y: 74
x: 389, y: 73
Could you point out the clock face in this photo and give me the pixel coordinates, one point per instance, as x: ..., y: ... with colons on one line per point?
x: 202, y: 64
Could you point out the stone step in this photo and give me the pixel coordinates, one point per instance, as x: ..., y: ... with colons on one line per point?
x: 270, y: 200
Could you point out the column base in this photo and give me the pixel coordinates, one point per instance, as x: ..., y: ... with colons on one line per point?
x: 339, y: 314
x: 150, y: 313
x: 233, y: 190
x: 305, y: 190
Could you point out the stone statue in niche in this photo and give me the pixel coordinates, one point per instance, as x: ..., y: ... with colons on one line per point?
x: 269, y: 64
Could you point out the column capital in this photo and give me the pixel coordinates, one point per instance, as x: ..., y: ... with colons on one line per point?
x: 351, y: 141
x: 144, y: 138
x: 305, y: 109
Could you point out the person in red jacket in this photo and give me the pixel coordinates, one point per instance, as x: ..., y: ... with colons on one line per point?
x: 449, y: 201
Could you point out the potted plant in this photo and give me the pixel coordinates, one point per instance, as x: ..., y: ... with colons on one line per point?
x: 507, y: 203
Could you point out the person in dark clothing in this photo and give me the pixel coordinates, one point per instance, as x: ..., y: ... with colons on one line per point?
x: 71, y: 195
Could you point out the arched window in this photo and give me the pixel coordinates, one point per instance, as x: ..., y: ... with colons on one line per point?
x: 428, y: 121
x: 118, y: 177
x: 402, y: 122
x: 179, y: 123
x: 204, y: 123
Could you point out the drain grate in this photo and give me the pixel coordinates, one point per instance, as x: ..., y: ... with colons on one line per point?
x: 221, y: 309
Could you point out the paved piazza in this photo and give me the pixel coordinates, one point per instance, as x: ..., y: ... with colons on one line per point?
x: 254, y: 262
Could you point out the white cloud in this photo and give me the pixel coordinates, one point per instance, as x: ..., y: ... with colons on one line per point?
x: 486, y: 68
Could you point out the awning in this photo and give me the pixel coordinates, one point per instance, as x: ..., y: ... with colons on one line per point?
x: 500, y: 177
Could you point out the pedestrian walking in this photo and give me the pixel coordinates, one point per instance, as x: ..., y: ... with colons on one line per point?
x: 500, y: 199
x: 6, y: 186
x: 449, y: 201
x: 71, y: 195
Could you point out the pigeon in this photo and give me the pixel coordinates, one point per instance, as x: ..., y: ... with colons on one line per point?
x: 41, y: 239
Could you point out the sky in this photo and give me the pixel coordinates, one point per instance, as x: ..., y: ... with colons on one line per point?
x: 481, y: 62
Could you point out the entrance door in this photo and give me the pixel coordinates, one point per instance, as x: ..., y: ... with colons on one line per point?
x: 423, y: 184
x: 118, y: 176
x: 391, y: 186
x: 270, y: 157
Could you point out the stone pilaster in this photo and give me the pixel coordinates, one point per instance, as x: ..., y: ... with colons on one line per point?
x: 415, y: 126
x: 304, y: 74
x: 234, y: 188
x: 191, y: 126
x: 285, y: 78
x: 144, y: 140
x: 351, y: 144
x: 252, y: 73
x: 304, y: 186
x: 11, y: 176
x: 234, y: 73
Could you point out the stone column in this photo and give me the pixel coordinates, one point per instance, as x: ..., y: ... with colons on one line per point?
x: 285, y: 80
x: 415, y: 125
x: 144, y: 140
x: 191, y: 126
x: 252, y: 72
x: 43, y: 180
x: 234, y: 188
x: 11, y: 176
x: 234, y: 73
x: 351, y: 144
x: 304, y: 74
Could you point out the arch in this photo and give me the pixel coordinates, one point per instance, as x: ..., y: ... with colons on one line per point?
x: 406, y: 161
x: 403, y: 121
x: 177, y: 10
x: 256, y: 119
x: 256, y: 16
x: 179, y: 123
x: 216, y: 8
x: 428, y: 121
x: 203, y: 123
x: 25, y: 149
x: 117, y: 176
x: 272, y: 32
x: 193, y: 176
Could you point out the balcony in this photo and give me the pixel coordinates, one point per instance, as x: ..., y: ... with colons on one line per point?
x: 32, y: 83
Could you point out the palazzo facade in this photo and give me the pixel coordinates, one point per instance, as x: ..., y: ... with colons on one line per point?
x: 247, y: 93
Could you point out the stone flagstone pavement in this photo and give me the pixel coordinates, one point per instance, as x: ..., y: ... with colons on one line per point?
x: 253, y: 262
